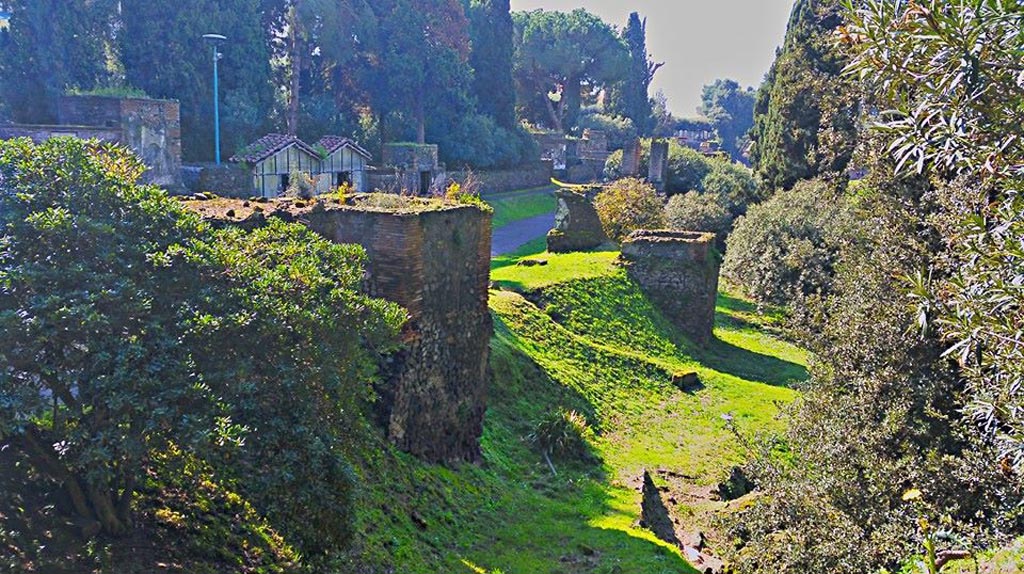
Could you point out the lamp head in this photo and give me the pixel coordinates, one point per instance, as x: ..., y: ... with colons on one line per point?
x: 214, y: 37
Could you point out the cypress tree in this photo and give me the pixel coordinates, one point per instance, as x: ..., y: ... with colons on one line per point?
x: 805, y: 117
x: 631, y: 98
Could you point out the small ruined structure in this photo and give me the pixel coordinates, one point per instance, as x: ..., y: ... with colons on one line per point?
x: 577, y: 225
x: 434, y: 260
x: 151, y: 128
x: 273, y: 159
x: 678, y: 270
x: 344, y: 162
x: 658, y: 166
x: 631, y: 158
x: 409, y: 167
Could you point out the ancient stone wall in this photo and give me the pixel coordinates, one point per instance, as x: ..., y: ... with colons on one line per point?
x: 41, y: 133
x: 224, y: 180
x: 658, y: 166
x: 678, y: 270
x: 151, y: 128
x: 631, y: 159
x: 436, y: 264
x: 577, y: 225
x: 536, y: 174
x: 421, y: 157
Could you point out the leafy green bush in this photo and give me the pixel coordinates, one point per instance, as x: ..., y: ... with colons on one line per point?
x: 562, y: 434
x: 128, y: 326
x: 628, y: 205
x: 301, y: 185
x: 786, y: 248
x: 733, y: 184
x: 881, y: 415
x: 698, y: 212
x: 476, y: 141
x: 687, y: 169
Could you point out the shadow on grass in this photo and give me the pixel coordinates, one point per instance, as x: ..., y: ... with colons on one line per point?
x: 727, y: 358
x: 558, y: 510
x: 735, y: 304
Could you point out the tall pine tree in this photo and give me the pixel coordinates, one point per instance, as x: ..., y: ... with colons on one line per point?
x: 805, y: 117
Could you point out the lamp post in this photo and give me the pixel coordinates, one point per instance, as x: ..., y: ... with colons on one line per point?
x: 215, y: 40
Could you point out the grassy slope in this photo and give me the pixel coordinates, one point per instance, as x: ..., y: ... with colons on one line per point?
x: 519, y: 205
x: 611, y: 356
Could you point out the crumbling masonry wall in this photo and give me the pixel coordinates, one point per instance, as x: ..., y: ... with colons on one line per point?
x: 436, y: 263
x: 678, y: 270
x: 577, y: 224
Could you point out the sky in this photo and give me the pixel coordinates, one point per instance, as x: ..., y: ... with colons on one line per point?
x: 699, y: 40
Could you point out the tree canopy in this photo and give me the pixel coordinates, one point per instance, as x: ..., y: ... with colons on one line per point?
x: 805, y: 117
x: 730, y: 108
x: 563, y: 58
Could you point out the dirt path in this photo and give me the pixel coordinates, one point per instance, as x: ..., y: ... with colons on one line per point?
x: 510, y: 237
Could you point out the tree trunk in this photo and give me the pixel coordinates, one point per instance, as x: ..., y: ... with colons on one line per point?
x: 421, y: 123
x: 89, y: 501
x: 555, y: 115
x: 295, y: 45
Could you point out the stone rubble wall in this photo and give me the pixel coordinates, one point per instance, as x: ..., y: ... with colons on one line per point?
x: 151, y: 128
x: 678, y: 270
x: 657, y: 171
x: 577, y: 225
x: 529, y: 176
x: 436, y: 264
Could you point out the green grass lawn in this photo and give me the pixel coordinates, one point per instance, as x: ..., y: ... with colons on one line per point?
x: 519, y: 205
x: 578, y: 334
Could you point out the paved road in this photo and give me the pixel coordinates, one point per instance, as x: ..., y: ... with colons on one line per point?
x: 510, y: 237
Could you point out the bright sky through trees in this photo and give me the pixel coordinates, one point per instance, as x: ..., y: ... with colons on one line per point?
x: 700, y: 40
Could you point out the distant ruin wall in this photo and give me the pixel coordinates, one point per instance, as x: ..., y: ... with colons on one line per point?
x: 225, y: 180
x: 678, y: 270
x: 41, y: 133
x: 657, y: 171
x: 151, y: 128
x: 577, y: 225
x: 436, y: 264
x: 536, y: 174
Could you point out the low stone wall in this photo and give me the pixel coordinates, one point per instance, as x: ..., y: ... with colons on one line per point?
x: 223, y: 180
x: 436, y: 264
x: 678, y: 270
x: 577, y: 225
x: 41, y: 133
x: 417, y: 157
x: 537, y: 174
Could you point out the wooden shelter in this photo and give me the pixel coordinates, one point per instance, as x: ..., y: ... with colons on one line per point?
x: 274, y: 158
x: 344, y: 162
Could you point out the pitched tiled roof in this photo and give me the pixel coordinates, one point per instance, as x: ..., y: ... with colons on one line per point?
x: 334, y: 143
x: 268, y: 145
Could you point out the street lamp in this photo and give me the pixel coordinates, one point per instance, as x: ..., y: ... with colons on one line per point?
x: 5, y: 19
x: 215, y: 40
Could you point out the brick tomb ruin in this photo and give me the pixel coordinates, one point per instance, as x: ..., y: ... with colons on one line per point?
x: 434, y: 260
